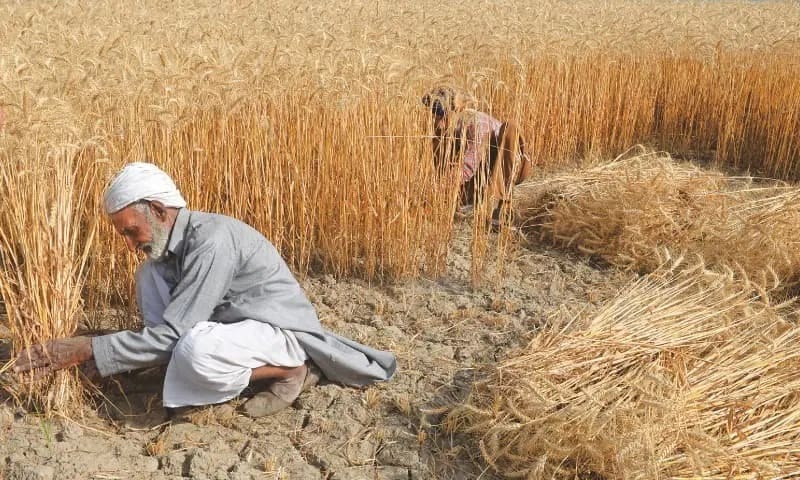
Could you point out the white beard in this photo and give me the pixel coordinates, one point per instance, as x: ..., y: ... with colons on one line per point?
x: 156, y: 248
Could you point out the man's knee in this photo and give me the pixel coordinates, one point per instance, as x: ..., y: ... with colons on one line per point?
x: 193, y: 355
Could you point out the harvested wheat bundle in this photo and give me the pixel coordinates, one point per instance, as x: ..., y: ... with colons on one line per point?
x: 684, y: 375
x: 626, y: 210
x: 758, y: 231
x: 621, y: 210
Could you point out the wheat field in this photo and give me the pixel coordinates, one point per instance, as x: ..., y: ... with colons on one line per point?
x: 304, y: 119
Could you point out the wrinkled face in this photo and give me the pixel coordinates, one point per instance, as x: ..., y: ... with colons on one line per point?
x: 142, y: 229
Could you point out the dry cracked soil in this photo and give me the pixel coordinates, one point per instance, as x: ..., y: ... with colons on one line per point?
x: 442, y: 331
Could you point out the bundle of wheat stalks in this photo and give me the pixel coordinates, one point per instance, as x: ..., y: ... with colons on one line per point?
x: 626, y: 210
x: 685, y: 374
x: 45, y: 244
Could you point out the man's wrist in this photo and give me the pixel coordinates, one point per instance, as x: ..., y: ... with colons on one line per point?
x: 87, y: 352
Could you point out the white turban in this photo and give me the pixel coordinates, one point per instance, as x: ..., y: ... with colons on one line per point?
x: 141, y: 181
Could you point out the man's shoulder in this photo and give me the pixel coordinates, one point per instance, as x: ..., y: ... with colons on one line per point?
x: 214, y: 227
x: 198, y: 218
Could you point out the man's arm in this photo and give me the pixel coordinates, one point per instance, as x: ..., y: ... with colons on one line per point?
x: 208, y: 271
x: 207, y: 274
x: 138, y: 349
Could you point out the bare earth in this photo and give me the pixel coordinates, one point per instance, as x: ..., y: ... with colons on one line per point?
x: 441, y: 330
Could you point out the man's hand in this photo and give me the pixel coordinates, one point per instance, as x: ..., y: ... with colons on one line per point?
x: 54, y: 355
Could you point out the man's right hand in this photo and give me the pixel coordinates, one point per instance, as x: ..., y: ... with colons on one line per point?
x: 54, y: 355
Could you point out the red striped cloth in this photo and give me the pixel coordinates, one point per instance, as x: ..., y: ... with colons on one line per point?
x: 475, y: 128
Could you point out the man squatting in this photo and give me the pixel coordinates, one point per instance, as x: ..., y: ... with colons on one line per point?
x: 219, y: 306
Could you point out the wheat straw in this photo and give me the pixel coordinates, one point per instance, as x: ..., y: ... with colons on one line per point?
x: 683, y: 375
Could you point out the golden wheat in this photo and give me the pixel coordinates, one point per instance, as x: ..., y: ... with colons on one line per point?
x: 44, y: 246
x: 304, y: 118
x: 683, y: 375
x: 629, y: 210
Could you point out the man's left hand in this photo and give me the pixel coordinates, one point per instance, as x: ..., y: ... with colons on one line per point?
x: 54, y: 355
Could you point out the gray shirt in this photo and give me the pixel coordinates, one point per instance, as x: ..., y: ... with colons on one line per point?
x: 225, y: 271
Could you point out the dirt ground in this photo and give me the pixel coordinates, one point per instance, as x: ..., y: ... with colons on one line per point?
x: 441, y: 330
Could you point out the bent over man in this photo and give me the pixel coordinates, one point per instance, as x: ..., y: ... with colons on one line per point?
x: 492, y: 152
x: 219, y: 305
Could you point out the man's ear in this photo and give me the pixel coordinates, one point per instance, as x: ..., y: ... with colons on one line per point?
x: 158, y: 209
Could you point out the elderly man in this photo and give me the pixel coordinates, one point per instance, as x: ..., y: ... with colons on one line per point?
x: 219, y: 305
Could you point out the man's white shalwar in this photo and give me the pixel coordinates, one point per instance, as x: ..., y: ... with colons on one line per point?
x: 212, y: 363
